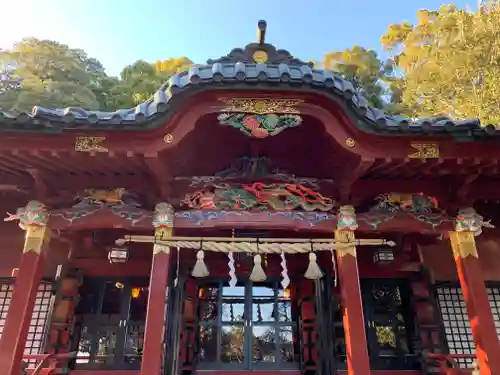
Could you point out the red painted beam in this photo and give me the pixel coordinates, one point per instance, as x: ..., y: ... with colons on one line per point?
x: 358, y: 360
x: 155, y: 319
x: 476, y: 299
x: 330, y: 112
x: 137, y: 219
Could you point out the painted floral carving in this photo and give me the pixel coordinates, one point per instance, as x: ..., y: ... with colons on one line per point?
x: 33, y: 214
x: 469, y: 220
x: 275, y: 197
x: 163, y: 215
x: 393, y: 202
x: 347, y: 218
x: 259, y: 126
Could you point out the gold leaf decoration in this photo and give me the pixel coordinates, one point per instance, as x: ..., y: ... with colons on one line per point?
x: 90, y: 144
x: 261, y: 106
x: 425, y: 151
x: 260, y: 57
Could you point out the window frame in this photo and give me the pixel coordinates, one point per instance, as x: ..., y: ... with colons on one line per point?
x: 247, y: 323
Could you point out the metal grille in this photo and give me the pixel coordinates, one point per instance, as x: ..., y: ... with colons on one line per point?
x: 39, y: 319
x: 456, y: 324
x: 6, y: 289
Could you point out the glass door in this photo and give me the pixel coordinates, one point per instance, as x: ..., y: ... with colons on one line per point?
x: 110, y: 323
x: 248, y: 326
x: 389, y: 324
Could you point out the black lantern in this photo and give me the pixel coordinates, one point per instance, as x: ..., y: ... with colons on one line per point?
x: 118, y: 255
x: 383, y: 256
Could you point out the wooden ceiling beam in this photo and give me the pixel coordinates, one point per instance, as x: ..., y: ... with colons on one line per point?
x: 159, y: 170
x: 70, y: 163
x: 25, y: 160
x: 80, y: 182
x: 42, y: 190
x: 354, y: 173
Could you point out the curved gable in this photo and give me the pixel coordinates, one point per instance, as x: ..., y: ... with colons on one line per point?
x: 258, y: 65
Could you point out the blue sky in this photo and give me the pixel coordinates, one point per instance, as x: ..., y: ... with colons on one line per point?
x: 118, y: 32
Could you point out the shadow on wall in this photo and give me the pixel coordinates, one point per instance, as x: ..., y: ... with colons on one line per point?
x: 439, y: 258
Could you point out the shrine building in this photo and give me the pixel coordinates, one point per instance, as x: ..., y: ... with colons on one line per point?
x: 255, y: 216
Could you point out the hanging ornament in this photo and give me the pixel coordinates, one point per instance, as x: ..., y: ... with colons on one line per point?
x: 313, y: 271
x: 258, y: 273
x: 334, y: 263
x: 285, y: 282
x: 232, y: 271
x: 200, y: 268
x: 176, y: 281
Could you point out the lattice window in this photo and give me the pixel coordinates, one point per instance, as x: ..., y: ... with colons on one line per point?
x: 39, y: 319
x: 456, y: 322
x: 5, y: 297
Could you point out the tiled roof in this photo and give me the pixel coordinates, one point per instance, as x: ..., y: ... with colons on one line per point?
x: 238, y: 68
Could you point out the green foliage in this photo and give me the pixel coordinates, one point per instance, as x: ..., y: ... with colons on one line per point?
x: 140, y: 80
x: 50, y: 74
x: 449, y: 63
x: 363, y: 68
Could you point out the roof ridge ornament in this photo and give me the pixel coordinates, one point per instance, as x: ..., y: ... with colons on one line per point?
x: 260, y: 52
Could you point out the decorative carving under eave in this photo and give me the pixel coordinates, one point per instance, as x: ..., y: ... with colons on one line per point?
x: 259, y: 126
x: 468, y: 220
x: 110, y: 197
x: 33, y: 214
x: 425, y: 151
x: 394, y: 202
x: 346, y: 219
x: 163, y: 215
x: 259, y: 196
x: 253, y: 169
x: 261, y: 106
x: 90, y: 144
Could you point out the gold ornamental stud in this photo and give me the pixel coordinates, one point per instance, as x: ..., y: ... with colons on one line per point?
x: 168, y: 138
x: 350, y: 142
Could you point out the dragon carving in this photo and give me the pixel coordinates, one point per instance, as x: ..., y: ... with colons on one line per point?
x: 393, y: 202
x: 276, y: 197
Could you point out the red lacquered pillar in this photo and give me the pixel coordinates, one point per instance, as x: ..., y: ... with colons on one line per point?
x: 358, y: 361
x: 484, y: 332
x: 152, y: 357
x: 33, y: 219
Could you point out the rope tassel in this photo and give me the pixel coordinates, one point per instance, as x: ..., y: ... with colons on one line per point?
x: 200, y: 268
x: 258, y: 273
x: 313, y: 271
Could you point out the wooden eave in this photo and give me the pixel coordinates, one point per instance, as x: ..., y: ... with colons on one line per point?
x: 136, y: 159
